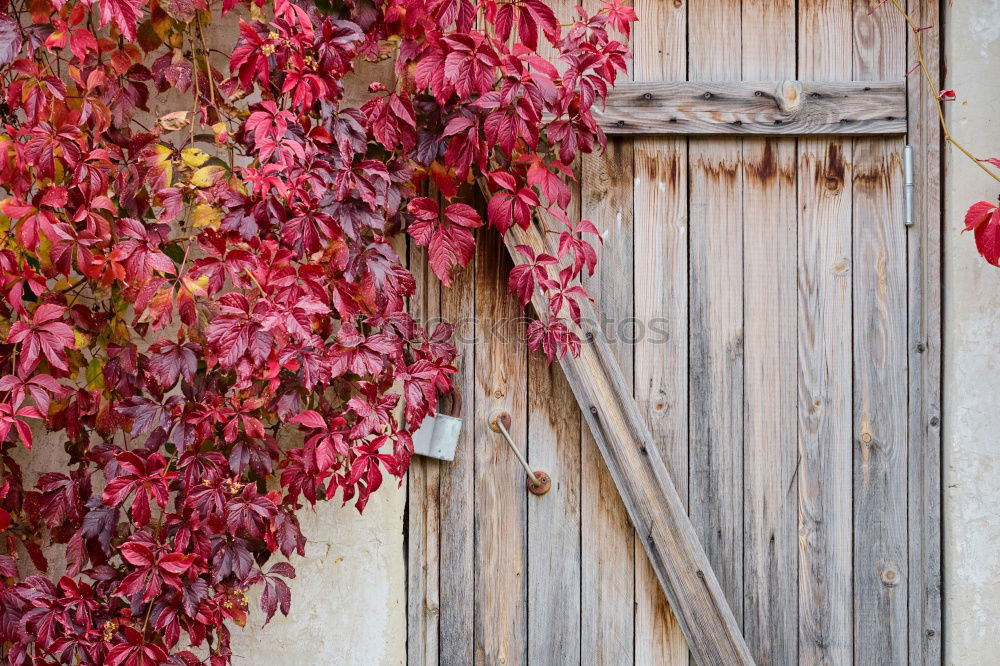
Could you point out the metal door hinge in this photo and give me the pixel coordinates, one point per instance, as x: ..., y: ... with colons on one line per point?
x: 908, y: 184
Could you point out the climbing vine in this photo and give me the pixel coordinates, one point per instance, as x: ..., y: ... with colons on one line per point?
x: 184, y: 291
x: 983, y: 217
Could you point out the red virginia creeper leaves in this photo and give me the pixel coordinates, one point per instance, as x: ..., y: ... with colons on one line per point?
x: 269, y: 227
x: 983, y: 219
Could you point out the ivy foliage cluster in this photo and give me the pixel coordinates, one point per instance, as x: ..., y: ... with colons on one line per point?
x: 179, y: 290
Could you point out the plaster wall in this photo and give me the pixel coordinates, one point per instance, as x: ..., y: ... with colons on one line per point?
x: 972, y: 361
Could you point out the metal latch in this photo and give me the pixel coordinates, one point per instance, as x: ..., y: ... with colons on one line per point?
x: 539, y: 482
x: 437, y: 436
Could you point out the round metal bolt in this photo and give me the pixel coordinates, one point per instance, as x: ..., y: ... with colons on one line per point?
x: 501, y: 416
x: 543, y: 486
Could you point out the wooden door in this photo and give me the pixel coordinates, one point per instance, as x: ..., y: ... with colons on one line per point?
x: 778, y: 323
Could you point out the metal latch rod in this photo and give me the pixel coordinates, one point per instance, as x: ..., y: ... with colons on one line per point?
x: 538, y: 482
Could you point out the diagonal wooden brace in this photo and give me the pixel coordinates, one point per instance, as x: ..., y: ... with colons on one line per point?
x: 645, y: 486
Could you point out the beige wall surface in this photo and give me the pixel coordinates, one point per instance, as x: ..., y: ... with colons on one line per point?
x: 971, y: 347
x: 349, y: 594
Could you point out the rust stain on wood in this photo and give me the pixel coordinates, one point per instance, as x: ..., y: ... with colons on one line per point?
x: 831, y: 173
x: 766, y: 169
x: 878, y: 174
x: 667, y: 170
x: 718, y: 170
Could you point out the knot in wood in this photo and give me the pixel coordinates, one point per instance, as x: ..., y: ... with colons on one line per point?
x: 788, y: 96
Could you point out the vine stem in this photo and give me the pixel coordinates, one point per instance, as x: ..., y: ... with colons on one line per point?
x: 937, y: 95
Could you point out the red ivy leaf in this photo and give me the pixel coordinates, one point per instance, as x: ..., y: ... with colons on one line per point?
x: 125, y: 14
x: 983, y: 218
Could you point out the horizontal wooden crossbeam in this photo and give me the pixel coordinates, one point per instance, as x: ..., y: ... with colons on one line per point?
x: 771, y: 108
x: 645, y: 486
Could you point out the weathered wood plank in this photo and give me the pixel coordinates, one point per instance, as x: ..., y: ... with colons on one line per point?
x: 659, y: 47
x: 824, y: 357
x: 553, y: 445
x: 716, y: 310
x: 608, y: 551
x: 924, y: 348
x: 880, y: 358
x: 639, y: 474
x: 422, y: 561
x: 501, y: 509
x: 770, y: 514
x: 423, y: 514
x: 554, y: 521
x: 457, y: 484
x: 775, y: 107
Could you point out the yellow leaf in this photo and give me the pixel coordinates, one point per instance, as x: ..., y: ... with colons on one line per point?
x: 81, y: 339
x: 197, y: 287
x: 162, y: 24
x: 95, y: 374
x: 207, y: 175
x: 194, y: 157
x: 163, y: 154
x: 175, y: 121
x: 206, y: 216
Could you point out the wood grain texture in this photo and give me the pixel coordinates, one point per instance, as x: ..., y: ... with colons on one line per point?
x: 554, y: 521
x: 457, y: 484
x: 554, y: 437
x: 608, y: 550
x: 924, y: 349
x: 554, y: 543
x: 881, y: 574
x: 770, y: 513
x: 659, y: 46
x: 423, y: 515
x: 716, y: 310
x: 824, y: 356
x: 644, y: 484
x: 768, y: 106
x: 501, y: 510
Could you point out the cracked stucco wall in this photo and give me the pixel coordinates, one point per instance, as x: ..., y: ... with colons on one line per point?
x: 349, y: 594
x: 971, y: 350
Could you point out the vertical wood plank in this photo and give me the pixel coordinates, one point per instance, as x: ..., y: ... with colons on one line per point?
x: 880, y: 362
x: 608, y: 569
x: 824, y: 355
x: 659, y: 44
x: 554, y: 432
x: 553, y: 519
x: 770, y: 560
x: 716, y: 310
x: 423, y: 511
x: 924, y: 348
x: 501, y: 509
x: 457, y: 483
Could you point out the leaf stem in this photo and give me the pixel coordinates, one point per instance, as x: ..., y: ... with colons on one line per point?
x: 935, y: 90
